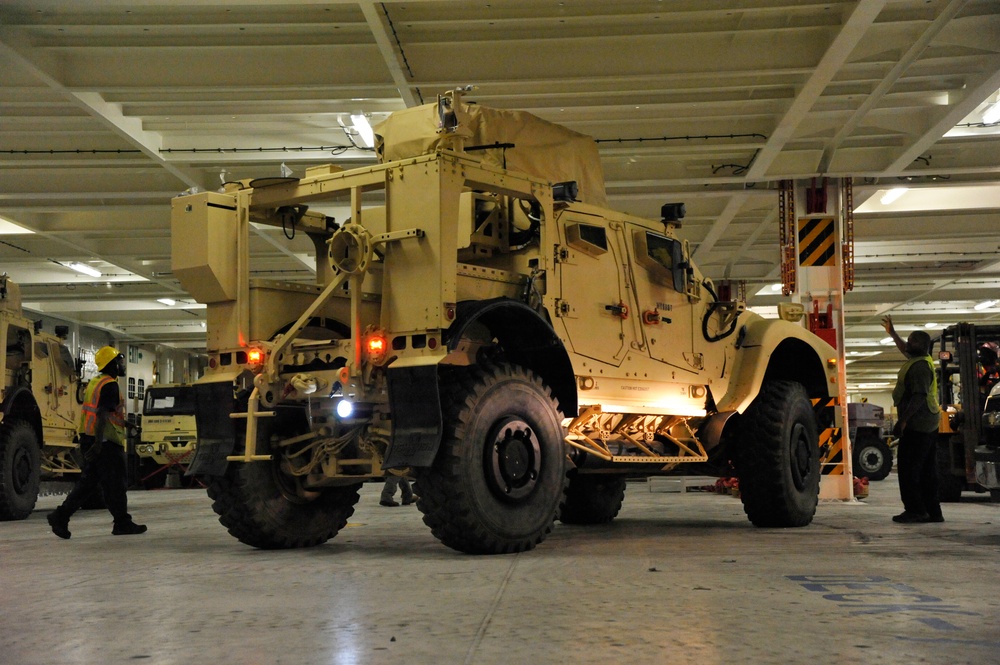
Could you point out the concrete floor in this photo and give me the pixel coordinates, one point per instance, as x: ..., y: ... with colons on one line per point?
x: 677, y: 578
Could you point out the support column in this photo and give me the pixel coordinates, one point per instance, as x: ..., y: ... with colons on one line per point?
x: 817, y: 236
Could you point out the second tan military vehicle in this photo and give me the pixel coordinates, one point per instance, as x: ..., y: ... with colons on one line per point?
x: 482, y: 318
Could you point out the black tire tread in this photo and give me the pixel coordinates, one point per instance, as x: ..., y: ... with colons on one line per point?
x: 443, y: 498
x: 14, y: 506
x: 763, y: 482
x: 592, y: 499
x: 253, y: 512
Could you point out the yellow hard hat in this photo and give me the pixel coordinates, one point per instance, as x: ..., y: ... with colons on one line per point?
x: 105, y: 355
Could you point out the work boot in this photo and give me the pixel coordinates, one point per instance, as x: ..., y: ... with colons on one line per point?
x: 907, y: 517
x: 412, y: 499
x: 128, y: 529
x: 59, y: 524
x: 388, y: 503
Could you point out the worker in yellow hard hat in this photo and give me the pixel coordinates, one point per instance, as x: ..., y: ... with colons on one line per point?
x: 102, y: 432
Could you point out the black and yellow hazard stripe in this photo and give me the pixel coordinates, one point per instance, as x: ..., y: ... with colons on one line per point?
x: 816, y: 246
x: 831, y: 439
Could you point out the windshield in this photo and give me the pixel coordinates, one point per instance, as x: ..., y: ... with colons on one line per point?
x: 169, y: 401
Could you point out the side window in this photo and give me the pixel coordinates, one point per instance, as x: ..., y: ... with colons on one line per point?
x: 140, y: 392
x: 663, y: 257
x: 587, y: 238
x: 131, y: 387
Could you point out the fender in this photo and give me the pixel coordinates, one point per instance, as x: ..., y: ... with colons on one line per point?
x: 20, y: 403
x: 527, y: 338
x: 772, y: 349
x: 214, y: 401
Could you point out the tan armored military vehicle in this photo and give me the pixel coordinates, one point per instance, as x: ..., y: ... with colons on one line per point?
x: 38, y: 407
x: 484, y: 320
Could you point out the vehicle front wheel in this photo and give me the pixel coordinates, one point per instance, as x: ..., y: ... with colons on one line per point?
x: 20, y: 469
x: 500, y: 473
x: 778, y: 457
x: 262, y: 506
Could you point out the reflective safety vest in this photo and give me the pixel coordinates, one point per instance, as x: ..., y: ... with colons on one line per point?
x: 114, y: 428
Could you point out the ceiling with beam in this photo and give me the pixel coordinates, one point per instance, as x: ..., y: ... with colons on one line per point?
x: 108, y: 109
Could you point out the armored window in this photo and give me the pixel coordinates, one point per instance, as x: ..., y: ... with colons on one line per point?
x: 131, y: 387
x: 663, y: 257
x: 587, y: 238
x: 140, y: 392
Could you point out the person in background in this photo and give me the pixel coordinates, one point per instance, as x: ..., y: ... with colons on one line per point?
x: 392, y: 481
x: 918, y: 414
x: 102, y: 433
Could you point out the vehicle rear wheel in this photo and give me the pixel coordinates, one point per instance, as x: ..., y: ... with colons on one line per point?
x: 500, y: 473
x: 872, y: 458
x: 592, y: 499
x: 778, y: 457
x: 20, y: 469
x: 261, y: 506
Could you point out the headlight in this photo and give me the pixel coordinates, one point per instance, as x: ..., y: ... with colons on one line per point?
x: 345, y: 408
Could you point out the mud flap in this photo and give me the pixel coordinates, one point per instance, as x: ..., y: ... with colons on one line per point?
x: 415, y: 403
x: 216, y: 434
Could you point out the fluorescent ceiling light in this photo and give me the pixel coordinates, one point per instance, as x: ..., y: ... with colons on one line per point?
x: 8, y: 227
x: 930, y: 325
x: 892, y: 195
x: 986, y: 304
x: 886, y: 341
x: 169, y: 302
x: 991, y: 114
x: 83, y: 268
x: 364, y: 130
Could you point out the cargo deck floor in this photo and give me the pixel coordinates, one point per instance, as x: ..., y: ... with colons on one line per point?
x: 676, y: 578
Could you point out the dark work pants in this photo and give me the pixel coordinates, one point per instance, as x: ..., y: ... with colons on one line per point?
x: 105, y: 472
x: 917, y: 468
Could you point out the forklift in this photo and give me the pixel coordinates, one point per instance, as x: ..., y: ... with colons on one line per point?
x: 969, y: 433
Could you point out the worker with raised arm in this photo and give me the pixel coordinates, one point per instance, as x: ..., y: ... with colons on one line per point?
x: 102, y: 440
x: 918, y: 413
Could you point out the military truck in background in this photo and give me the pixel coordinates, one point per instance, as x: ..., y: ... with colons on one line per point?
x: 167, y: 438
x: 969, y: 435
x: 39, y: 407
x: 483, y: 319
x: 871, y: 453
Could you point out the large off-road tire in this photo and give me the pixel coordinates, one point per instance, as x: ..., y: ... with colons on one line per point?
x: 778, y: 457
x: 500, y: 474
x: 262, y: 507
x: 872, y: 458
x: 20, y: 469
x: 592, y: 499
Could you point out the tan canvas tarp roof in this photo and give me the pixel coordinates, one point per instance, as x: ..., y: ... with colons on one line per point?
x: 541, y: 149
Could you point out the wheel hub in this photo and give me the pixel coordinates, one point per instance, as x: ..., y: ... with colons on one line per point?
x: 21, y: 471
x: 871, y: 459
x: 515, y: 459
x: 801, y: 453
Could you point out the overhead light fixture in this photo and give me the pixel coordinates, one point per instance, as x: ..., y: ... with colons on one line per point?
x: 169, y: 302
x: 364, y: 129
x: 886, y: 341
x: 930, y: 325
x: 83, y: 268
x: 892, y: 195
x: 776, y: 287
x: 991, y: 114
x: 986, y: 304
x: 8, y: 227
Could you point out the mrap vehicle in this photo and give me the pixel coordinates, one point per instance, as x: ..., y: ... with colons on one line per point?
x: 482, y: 319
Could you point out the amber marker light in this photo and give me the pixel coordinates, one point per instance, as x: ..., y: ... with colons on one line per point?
x: 254, y: 356
x: 376, y: 346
